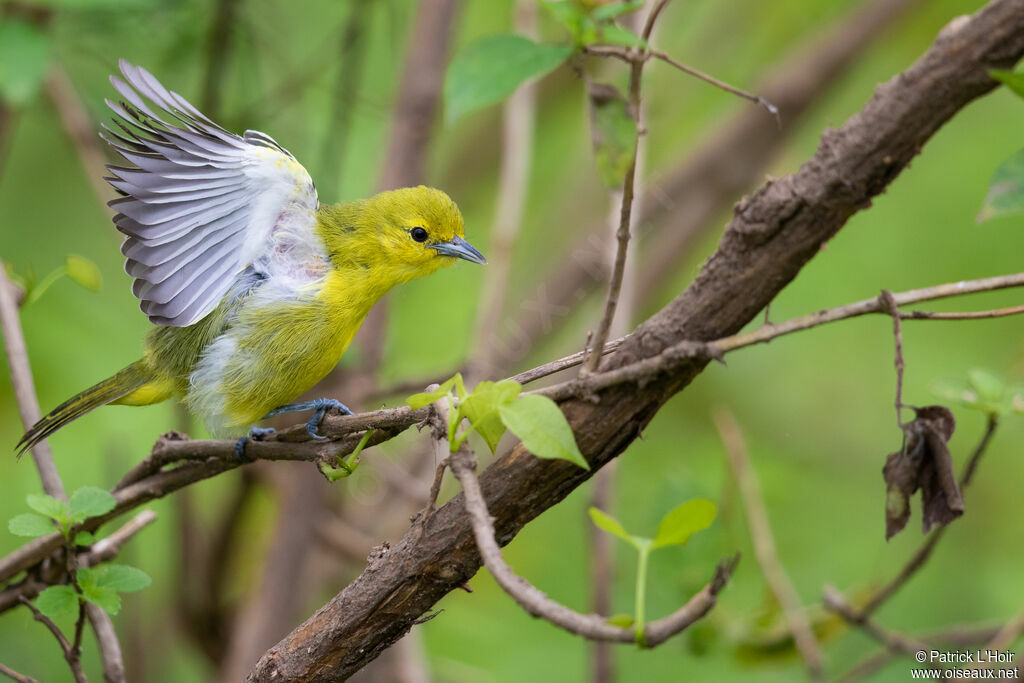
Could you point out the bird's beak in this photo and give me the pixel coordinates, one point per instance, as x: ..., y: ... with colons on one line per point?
x: 460, y: 248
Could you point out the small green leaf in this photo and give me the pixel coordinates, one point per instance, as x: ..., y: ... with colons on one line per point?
x: 1011, y: 79
x: 613, y: 133
x: 614, y: 9
x: 90, y: 501
x: 990, y: 388
x: 424, y: 399
x: 621, y: 620
x: 683, y: 521
x: 569, y: 14
x: 613, y: 34
x: 48, y: 506
x: 1006, y: 189
x: 24, y: 59
x: 84, y: 538
x: 491, y: 68
x: 58, y: 602
x: 31, y: 525
x: 120, y: 577
x: 605, y: 521
x: 106, y: 599
x: 542, y: 428
x: 481, y: 407
x: 84, y: 272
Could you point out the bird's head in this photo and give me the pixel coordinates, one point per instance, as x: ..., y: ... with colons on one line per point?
x: 404, y: 234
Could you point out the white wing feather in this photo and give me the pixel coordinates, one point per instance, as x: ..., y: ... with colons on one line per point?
x: 201, y: 204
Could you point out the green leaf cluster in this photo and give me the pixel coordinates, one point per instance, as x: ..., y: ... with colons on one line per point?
x: 985, y: 392
x: 100, y: 586
x: 493, y: 407
x: 675, y: 528
x: 491, y: 68
x: 52, y: 514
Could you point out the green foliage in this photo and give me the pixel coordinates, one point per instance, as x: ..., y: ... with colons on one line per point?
x: 613, y: 133
x: 87, y: 501
x: 493, y: 407
x: 675, y: 528
x: 611, y: 525
x: 491, y: 68
x: 25, y: 51
x: 346, y: 466
x: 985, y: 392
x: 31, y: 525
x: 683, y: 521
x: 542, y: 427
x: 482, y: 408
x: 1014, y: 80
x: 101, y: 585
x: 58, y: 602
x: 591, y: 24
x: 1005, y: 190
x: 90, y: 501
x: 84, y: 272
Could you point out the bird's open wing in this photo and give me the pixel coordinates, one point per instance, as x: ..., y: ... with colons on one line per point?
x: 202, y: 203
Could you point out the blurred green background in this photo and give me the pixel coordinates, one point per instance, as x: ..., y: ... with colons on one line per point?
x: 816, y: 407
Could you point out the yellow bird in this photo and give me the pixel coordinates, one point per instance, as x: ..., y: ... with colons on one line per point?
x: 256, y: 289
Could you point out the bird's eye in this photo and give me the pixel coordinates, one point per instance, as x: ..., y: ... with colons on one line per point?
x: 418, y: 234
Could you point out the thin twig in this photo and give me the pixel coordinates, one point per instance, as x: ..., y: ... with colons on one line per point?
x: 886, y: 299
x: 74, y: 662
x: 590, y: 626
x: 955, y: 636
x: 622, y: 235
x: 722, y: 85
x: 24, y: 387
x: 835, y: 602
x: 764, y: 544
x: 15, y: 676
x: 632, y: 57
x: 688, y: 351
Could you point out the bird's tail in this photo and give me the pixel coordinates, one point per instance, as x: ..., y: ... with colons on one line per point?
x: 132, y: 378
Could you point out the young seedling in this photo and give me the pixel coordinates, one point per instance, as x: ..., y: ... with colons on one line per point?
x: 675, y: 529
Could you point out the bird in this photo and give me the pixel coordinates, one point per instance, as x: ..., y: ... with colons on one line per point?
x: 255, y: 289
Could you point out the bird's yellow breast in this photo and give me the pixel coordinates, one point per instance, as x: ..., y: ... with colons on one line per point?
x: 279, y: 351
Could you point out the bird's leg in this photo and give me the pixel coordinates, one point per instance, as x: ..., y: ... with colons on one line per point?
x: 320, y: 405
x: 254, y: 433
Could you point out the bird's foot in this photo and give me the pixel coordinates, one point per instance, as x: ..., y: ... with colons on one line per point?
x: 254, y: 433
x: 320, y: 406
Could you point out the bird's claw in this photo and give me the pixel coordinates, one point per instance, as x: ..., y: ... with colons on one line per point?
x: 322, y: 405
x: 255, y: 433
